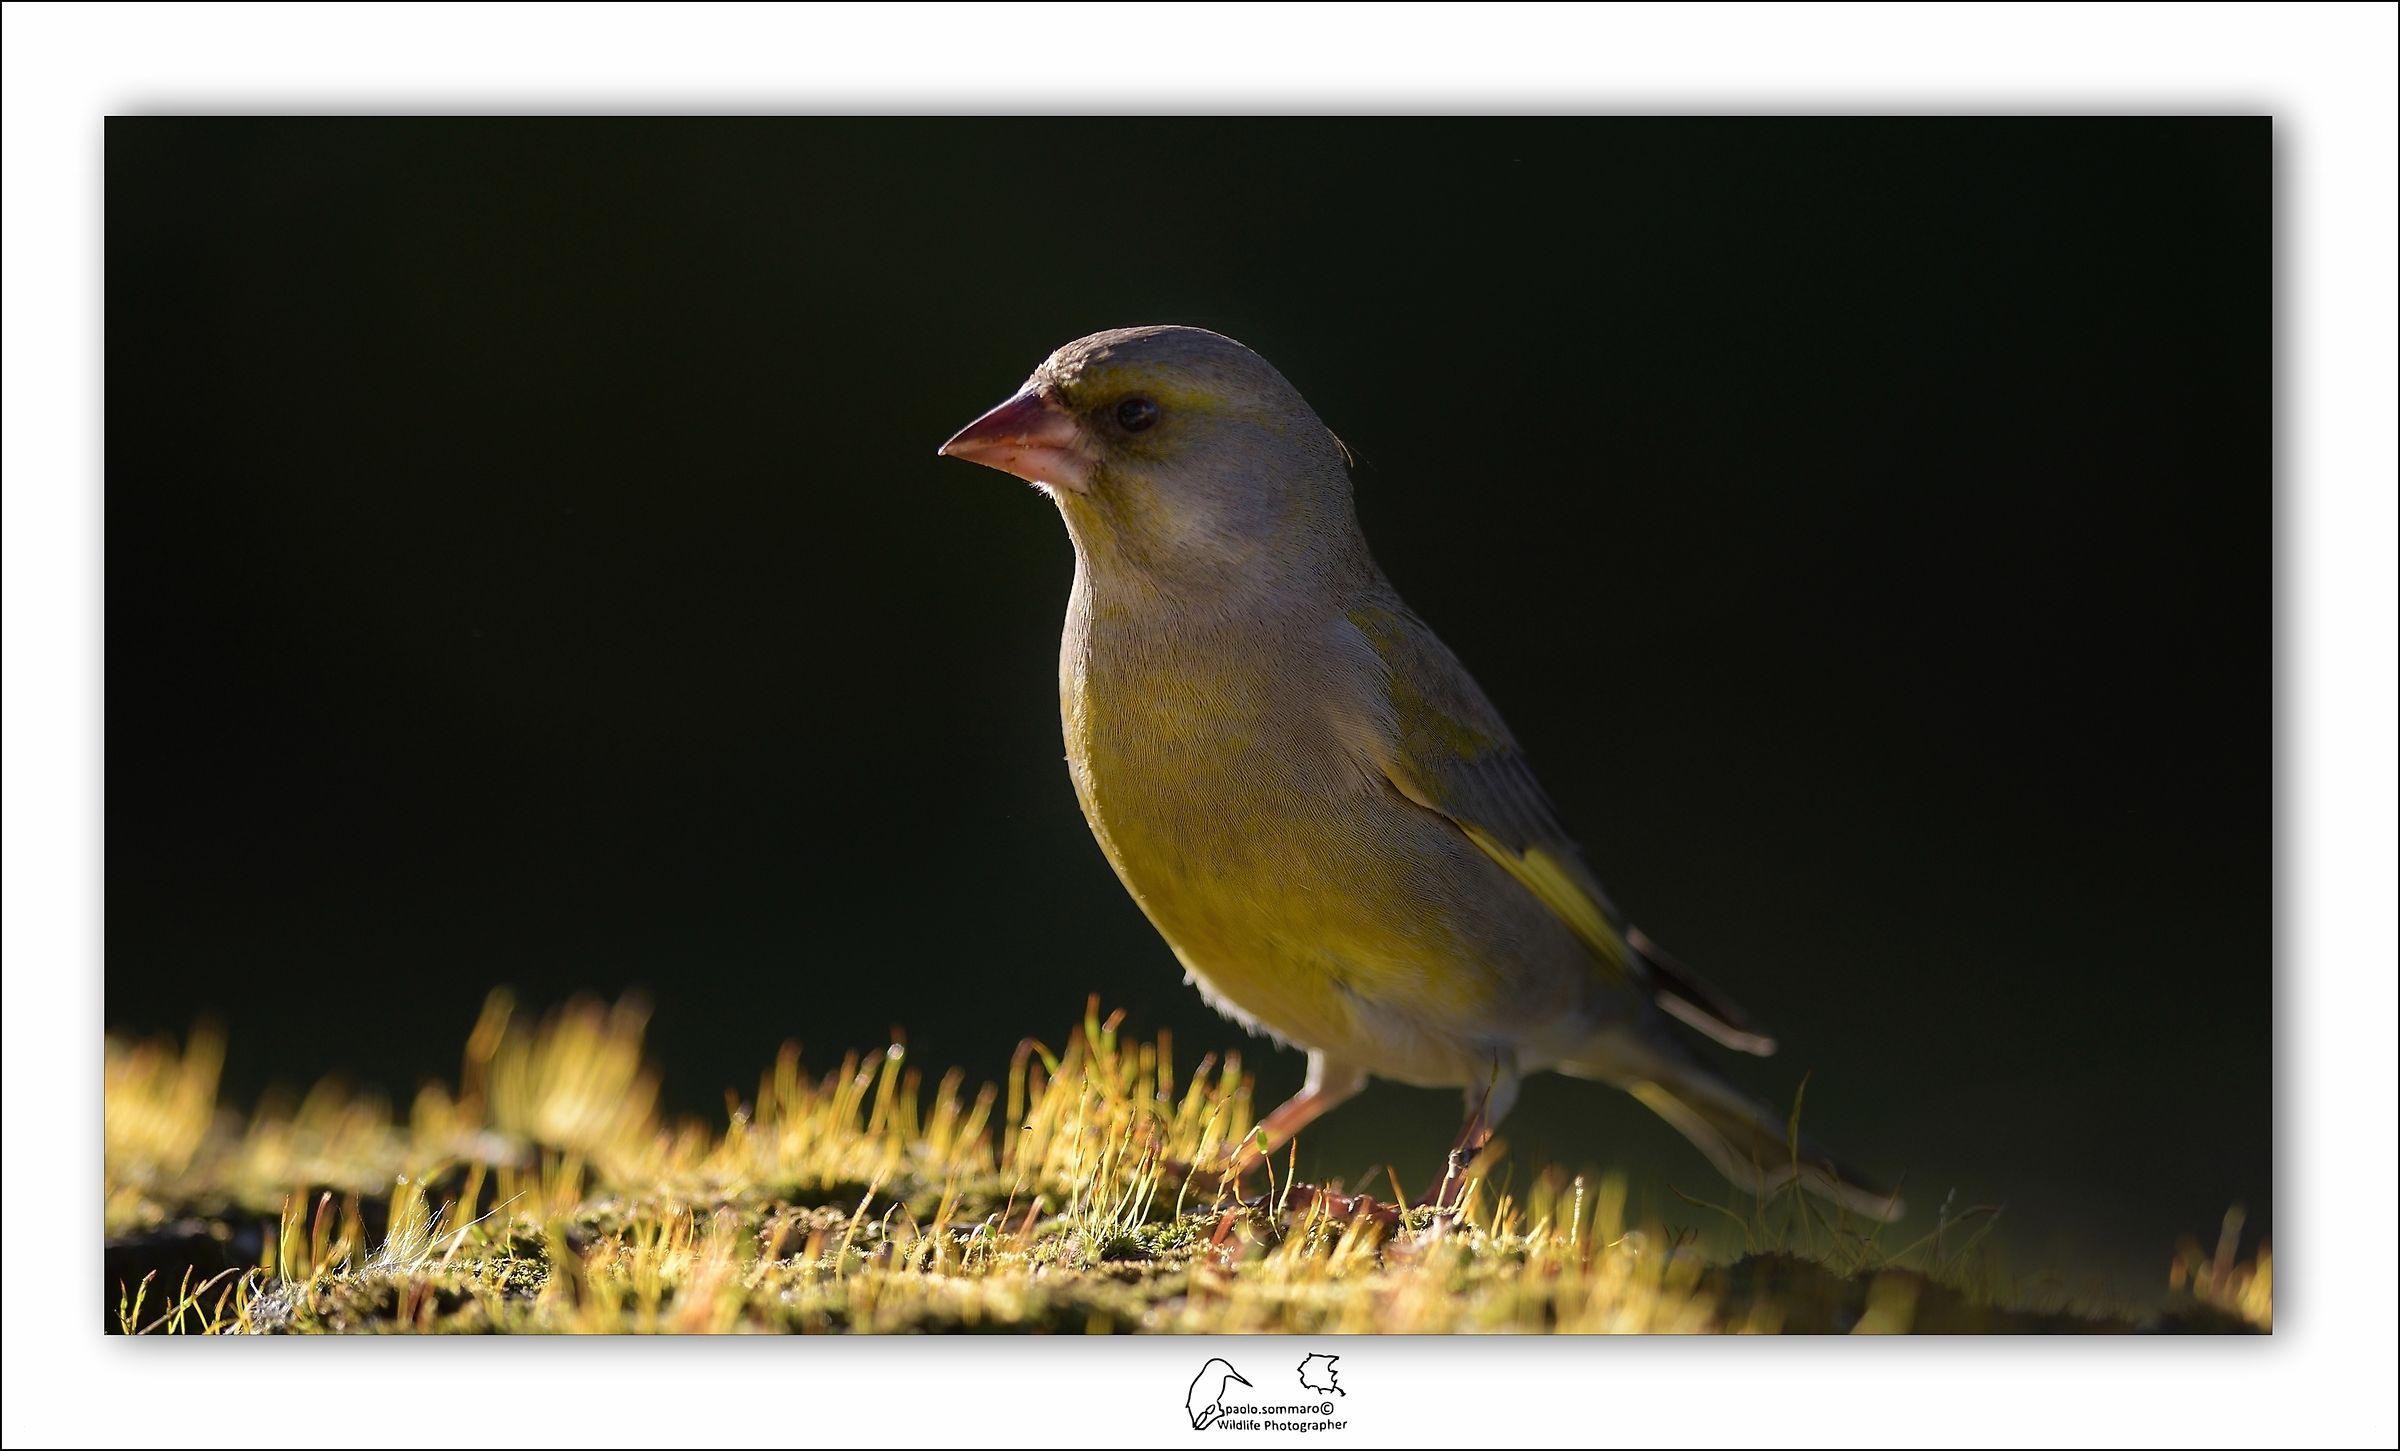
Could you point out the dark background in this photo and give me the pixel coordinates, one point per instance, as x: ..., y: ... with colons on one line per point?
x: 528, y: 563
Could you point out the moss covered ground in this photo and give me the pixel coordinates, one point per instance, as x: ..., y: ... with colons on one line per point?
x: 545, y: 1192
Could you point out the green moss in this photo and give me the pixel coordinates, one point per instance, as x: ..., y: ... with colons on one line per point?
x: 546, y: 1195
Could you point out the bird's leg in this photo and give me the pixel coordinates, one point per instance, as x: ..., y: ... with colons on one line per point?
x: 1328, y: 1086
x: 1487, y: 1104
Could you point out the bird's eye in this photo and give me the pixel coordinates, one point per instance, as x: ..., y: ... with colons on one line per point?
x: 1136, y: 413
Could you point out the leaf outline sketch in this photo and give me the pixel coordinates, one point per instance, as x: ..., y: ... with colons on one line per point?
x: 1323, y: 1381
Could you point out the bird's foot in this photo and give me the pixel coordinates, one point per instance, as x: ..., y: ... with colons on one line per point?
x: 1222, y: 1185
x: 1449, y: 1193
x: 1200, y: 1185
x: 1302, y: 1200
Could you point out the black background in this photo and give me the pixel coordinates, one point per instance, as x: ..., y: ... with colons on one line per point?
x: 528, y: 563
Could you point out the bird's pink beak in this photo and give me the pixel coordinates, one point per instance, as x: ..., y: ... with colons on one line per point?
x: 1029, y: 436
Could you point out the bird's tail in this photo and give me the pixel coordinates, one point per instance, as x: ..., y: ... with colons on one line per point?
x: 1754, y: 1149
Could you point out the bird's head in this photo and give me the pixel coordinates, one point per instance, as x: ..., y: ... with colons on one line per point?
x: 1173, y: 452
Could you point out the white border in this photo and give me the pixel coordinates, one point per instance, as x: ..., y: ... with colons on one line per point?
x: 2326, y: 73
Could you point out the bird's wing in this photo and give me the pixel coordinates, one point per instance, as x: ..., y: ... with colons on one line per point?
x: 1444, y: 747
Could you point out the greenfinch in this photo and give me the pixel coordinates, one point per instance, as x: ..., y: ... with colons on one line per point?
x: 1306, y: 792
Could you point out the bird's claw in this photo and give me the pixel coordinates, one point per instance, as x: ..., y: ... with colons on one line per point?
x: 1305, y: 1199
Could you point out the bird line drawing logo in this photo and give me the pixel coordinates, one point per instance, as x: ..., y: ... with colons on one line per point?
x: 1209, y: 1409
x: 1206, y: 1401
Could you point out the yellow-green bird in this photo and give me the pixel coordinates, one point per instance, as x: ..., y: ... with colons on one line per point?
x: 1304, y: 789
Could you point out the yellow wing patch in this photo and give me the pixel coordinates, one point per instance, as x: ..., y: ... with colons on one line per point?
x: 1542, y: 875
x: 1443, y: 747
